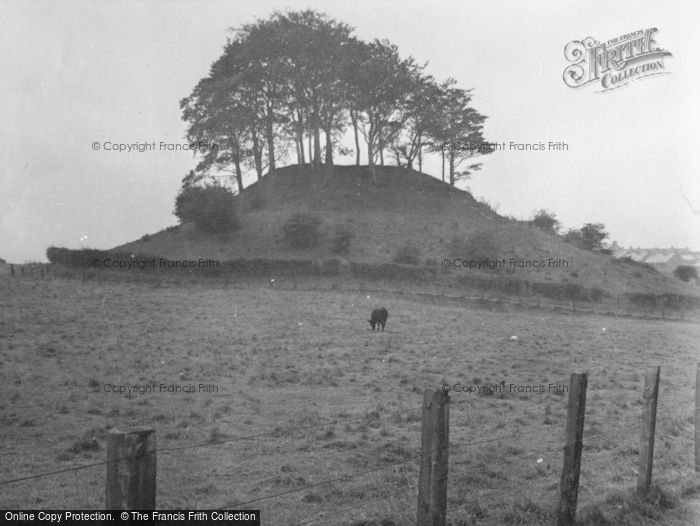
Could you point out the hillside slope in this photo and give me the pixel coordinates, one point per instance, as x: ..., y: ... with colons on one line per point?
x: 402, y: 208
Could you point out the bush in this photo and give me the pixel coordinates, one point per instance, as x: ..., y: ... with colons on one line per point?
x: 212, y: 208
x: 546, y: 221
x: 302, y: 230
x: 342, y: 240
x: 588, y: 237
x: 685, y: 272
x: 407, y: 255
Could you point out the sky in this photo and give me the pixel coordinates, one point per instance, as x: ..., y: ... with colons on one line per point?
x: 76, y: 73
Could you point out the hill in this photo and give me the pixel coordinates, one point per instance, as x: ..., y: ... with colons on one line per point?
x: 402, y: 207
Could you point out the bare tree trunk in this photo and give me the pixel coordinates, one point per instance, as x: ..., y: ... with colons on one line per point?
x: 239, y: 173
x: 257, y: 154
x: 420, y: 157
x: 354, y: 118
x: 452, y: 169
x: 269, y: 129
x: 300, y: 137
x: 329, y: 148
x: 443, y: 165
x: 370, y: 154
x: 317, y: 137
x: 311, y: 149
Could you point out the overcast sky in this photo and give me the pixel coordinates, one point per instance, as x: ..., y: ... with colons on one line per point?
x: 78, y: 72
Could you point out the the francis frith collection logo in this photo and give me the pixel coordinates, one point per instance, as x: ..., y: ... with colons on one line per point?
x: 616, y: 62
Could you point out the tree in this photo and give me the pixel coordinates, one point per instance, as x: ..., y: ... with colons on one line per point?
x: 233, y: 119
x: 298, y: 75
x: 212, y: 208
x: 546, y: 221
x: 457, y: 132
x: 589, y: 237
x: 686, y: 272
x: 379, y: 90
x: 314, y: 56
x: 420, y: 113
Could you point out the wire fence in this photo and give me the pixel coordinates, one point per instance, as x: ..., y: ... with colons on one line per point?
x: 441, y: 289
x: 477, y: 476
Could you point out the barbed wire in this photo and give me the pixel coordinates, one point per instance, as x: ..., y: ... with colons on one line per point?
x: 255, y: 436
x: 365, y: 472
x: 489, y: 465
x: 339, y: 421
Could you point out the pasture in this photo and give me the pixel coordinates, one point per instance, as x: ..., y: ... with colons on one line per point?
x: 314, y: 407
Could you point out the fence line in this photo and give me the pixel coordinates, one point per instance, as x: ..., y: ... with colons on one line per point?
x: 241, y: 438
x: 469, y: 293
x: 435, y: 446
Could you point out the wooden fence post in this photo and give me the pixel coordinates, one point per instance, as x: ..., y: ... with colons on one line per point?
x: 646, y: 448
x: 432, y: 481
x: 697, y: 419
x: 572, y: 450
x: 131, y: 470
x: 12, y: 270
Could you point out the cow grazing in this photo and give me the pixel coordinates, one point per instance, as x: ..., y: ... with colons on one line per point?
x: 379, y: 316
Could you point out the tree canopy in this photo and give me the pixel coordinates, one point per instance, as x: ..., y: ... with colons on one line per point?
x: 296, y: 82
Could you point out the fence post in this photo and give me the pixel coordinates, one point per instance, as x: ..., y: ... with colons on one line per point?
x: 432, y: 481
x: 646, y: 449
x: 572, y: 450
x: 131, y: 470
x: 12, y: 270
x: 697, y: 419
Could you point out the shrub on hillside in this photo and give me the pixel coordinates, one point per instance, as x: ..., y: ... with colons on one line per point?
x: 302, y: 230
x: 685, y: 272
x: 407, y: 255
x: 91, y: 257
x: 546, y: 221
x: 212, y: 208
x: 342, y: 240
x: 588, y: 237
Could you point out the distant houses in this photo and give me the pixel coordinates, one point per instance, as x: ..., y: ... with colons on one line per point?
x: 664, y: 260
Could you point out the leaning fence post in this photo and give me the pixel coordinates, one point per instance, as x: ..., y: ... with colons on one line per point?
x: 572, y: 450
x: 646, y: 449
x: 131, y: 470
x: 432, y: 481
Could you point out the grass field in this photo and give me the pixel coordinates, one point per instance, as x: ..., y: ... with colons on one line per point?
x: 330, y: 398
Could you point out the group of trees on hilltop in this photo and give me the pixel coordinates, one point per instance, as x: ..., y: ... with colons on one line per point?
x: 589, y: 237
x: 298, y: 82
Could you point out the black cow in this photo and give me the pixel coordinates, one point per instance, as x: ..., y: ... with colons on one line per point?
x: 379, y: 316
